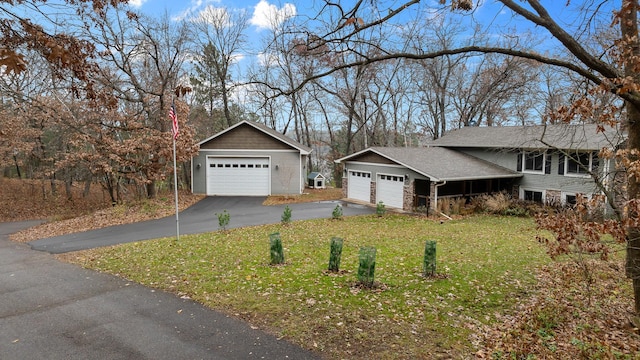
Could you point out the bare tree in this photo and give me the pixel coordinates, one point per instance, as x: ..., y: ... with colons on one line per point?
x: 616, y: 74
x: 220, y: 34
x: 143, y: 60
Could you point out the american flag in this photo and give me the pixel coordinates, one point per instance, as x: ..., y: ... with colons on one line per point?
x: 174, y: 118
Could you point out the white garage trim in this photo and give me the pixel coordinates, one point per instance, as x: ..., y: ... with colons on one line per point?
x: 390, y: 190
x: 238, y: 176
x: 359, y: 185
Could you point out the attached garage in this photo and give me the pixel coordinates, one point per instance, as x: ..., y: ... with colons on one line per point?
x: 390, y: 190
x: 249, y: 159
x: 410, y: 178
x: 237, y: 176
x: 361, y: 189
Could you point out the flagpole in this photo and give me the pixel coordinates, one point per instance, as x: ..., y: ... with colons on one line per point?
x: 174, y: 135
x: 175, y: 188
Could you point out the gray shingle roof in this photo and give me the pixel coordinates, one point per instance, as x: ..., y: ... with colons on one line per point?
x: 562, y: 136
x: 439, y: 163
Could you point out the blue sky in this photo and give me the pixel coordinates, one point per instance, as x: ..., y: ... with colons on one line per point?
x: 487, y: 11
x: 259, y: 10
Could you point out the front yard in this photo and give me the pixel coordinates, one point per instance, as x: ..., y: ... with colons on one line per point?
x: 486, y: 269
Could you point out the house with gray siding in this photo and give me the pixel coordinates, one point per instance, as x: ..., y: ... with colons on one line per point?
x: 549, y: 164
x: 249, y: 159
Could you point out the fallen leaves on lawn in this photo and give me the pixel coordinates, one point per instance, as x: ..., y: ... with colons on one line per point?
x: 121, y: 214
x: 309, y: 195
x: 567, y: 320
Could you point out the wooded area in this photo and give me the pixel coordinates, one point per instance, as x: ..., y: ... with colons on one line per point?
x: 85, y: 94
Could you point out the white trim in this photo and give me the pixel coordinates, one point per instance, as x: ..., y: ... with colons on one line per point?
x: 524, y: 162
x: 522, y: 190
x: 578, y: 175
x: 300, y: 175
x: 247, y: 150
x: 564, y: 194
x: 375, y: 164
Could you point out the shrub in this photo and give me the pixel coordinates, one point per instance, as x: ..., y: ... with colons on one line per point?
x: 337, y: 212
x: 286, y: 215
x: 429, y: 260
x: 367, y: 267
x: 380, y: 208
x: 497, y: 203
x: 275, y: 245
x: 223, y: 219
x: 335, y: 254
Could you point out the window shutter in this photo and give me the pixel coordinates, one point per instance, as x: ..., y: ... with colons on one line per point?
x: 519, y: 166
x: 547, y: 163
x: 561, y: 164
x: 595, y: 162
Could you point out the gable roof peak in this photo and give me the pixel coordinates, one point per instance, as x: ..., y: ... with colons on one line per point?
x: 305, y: 150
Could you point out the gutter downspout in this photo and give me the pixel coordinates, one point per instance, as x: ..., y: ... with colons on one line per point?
x: 435, y: 188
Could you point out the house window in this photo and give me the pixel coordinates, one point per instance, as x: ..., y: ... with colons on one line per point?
x: 579, y: 164
x: 570, y: 199
x: 533, y: 195
x: 533, y: 161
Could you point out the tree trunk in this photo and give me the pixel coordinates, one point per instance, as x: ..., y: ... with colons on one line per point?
x: 67, y: 188
x: 633, y: 192
x: 151, y: 189
x: 629, y: 32
x: 87, y: 186
x: 15, y: 160
x: 54, y: 188
x: 186, y: 174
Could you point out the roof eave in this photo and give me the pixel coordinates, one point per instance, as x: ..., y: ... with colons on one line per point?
x: 486, y: 177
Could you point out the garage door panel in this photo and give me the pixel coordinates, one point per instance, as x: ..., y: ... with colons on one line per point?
x: 359, y: 185
x: 390, y: 190
x: 238, y: 176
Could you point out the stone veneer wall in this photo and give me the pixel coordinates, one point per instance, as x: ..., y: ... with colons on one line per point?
x: 553, y: 197
x: 372, y: 193
x: 408, y: 197
x: 345, y: 184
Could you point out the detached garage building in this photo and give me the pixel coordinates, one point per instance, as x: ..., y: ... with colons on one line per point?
x: 249, y: 159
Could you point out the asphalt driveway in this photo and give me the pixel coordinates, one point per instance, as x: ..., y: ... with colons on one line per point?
x: 199, y: 218
x: 53, y: 310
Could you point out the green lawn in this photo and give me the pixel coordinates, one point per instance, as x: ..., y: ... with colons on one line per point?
x: 485, y: 265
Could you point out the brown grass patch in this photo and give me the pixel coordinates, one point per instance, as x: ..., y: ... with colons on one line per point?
x: 34, y: 199
x: 22, y: 199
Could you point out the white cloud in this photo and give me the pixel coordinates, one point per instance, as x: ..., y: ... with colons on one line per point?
x: 193, y: 8
x: 136, y: 3
x: 268, y: 16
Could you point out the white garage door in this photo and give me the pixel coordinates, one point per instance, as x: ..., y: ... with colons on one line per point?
x: 359, y: 185
x: 389, y: 190
x: 238, y: 176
